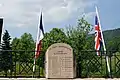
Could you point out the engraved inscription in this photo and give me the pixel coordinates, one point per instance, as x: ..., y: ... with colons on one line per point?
x: 59, y: 61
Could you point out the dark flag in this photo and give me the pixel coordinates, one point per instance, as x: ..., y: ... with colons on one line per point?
x: 1, y: 24
x: 40, y: 35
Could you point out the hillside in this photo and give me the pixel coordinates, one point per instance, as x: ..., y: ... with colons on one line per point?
x: 110, y: 34
x: 111, y: 37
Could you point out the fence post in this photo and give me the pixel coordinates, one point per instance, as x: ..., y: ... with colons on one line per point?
x: 107, y: 75
x: 39, y: 67
x: 11, y: 64
x: 110, y: 64
x: 109, y: 58
x: 15, y: 65
x: 115, y: 64
x: 79, y: 67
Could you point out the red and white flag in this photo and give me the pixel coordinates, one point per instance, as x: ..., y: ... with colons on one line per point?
x: 99, y: 40
x: 40, y: 35
x: 98, y: 37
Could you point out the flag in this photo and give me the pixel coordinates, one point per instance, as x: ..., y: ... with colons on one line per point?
x: 40, y: 35
x: 98, y: 38
x: 1, y: 25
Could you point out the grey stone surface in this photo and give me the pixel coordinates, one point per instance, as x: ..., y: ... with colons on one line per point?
x: 59, y: 61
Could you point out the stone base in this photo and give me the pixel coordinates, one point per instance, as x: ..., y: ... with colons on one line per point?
x: 59, y: 79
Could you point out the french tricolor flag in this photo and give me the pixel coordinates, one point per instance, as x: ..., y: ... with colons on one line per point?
x: 40, y: 36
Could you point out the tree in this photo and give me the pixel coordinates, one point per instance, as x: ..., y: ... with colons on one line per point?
x: 54, y: 36
x: 15, y: 43
x: 78, y: 40
x: 78, y: 35
x: 6, y: 56
x: 26, y: 43
x: 114, y: 44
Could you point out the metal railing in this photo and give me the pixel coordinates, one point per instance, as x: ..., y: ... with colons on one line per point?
x: 91, y: 65
x: 19, y: 63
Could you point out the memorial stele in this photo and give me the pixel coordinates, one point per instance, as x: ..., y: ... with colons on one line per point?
x: 59, y: 61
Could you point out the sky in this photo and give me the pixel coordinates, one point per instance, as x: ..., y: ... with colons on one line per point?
x: 22, y: 16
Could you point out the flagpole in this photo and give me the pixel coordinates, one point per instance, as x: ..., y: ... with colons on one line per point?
x: 34, y: 62
x: 35, y: 53
x: 36, y: 50
x: 103, y: 42
x: 34, y: 66
x: 40, y: 35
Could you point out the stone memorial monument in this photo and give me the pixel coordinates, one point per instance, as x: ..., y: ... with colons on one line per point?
x: 59, y: 61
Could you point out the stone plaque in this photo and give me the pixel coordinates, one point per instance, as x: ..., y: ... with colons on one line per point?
x: 59, y: 61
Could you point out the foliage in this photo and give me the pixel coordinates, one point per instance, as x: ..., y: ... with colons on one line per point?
x: 25, y: 42
x: 78, y: 40
x: 110, y: 34
x: 114, y: 44
x: 15, y: 44
x: 54, y: 36
x: 77, y: 35
x: 6, y: 56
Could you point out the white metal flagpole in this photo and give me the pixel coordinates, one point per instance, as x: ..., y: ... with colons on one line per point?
x: 34, y: 66
x: 34, y: 63
x: 35, y: 53
x: 36, y: 50
x: 40, y: 36
x: 103, y: 41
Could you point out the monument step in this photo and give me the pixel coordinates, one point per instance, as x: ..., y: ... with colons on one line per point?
x: 59, y: 79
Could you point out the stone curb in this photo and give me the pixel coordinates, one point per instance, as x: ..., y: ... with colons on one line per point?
x: 59, y: 79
